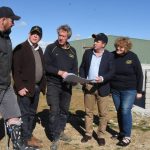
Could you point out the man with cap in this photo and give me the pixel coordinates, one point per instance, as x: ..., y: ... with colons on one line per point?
x: 9, y: 108
x: 29, y: 81
x: 97, y: 65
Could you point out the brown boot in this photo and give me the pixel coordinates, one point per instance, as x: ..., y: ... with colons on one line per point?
x: 36, y: 139
x: 34, y: 143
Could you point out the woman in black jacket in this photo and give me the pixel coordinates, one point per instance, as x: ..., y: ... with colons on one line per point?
x: 126, y: 87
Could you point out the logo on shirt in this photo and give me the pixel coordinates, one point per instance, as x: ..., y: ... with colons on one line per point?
x: 128, y: 62
x: 70, y: 55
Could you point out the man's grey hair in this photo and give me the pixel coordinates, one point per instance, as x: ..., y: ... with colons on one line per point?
x: 65, y: 28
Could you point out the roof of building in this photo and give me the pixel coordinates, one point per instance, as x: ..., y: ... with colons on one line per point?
x: 140, y: 47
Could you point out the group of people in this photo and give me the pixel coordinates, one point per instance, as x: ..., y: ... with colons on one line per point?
x: 118, y: 73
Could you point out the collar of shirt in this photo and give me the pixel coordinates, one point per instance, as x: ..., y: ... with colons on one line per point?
x: 67, y: 46
x: 35, y: 48
x: 99, y: 54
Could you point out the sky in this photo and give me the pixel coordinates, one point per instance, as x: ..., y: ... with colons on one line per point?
x: 113, y: 17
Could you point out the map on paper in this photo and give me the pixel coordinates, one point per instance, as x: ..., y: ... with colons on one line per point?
x: 76, y: 79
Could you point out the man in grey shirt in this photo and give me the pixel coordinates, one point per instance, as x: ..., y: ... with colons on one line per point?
x: 29, y: 81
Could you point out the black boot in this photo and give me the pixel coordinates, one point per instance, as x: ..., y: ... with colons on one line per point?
x: 15, y: 133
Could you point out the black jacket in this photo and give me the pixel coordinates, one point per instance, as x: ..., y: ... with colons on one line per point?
x: 106, y: 69
x: 57, y: 58
x: 5, y: 60
x: 24, y: 68
x: 128, y: 75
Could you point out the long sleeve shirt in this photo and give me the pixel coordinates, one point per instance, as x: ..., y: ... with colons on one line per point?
x: 128, y: 73
x: 57, y: 58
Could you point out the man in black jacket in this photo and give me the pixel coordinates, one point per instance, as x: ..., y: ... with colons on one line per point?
x: 60, y: 59
x: 8, y: 103
x: 29, y: 80
x: 97, y: 65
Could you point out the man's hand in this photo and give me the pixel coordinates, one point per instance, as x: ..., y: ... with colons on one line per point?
x: 99, y: 79
x: 23, y: 92
x: 63, y: 74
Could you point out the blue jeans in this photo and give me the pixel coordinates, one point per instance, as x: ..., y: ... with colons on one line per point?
x: 124, y: 100
x: 58, y: 98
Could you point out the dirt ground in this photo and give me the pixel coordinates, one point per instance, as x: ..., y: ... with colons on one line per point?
x: 75, y: 128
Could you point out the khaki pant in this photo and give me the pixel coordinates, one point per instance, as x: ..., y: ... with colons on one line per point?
x: 91, y: 97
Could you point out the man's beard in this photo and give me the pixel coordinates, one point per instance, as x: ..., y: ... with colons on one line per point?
x: 8, y: 31
x: 5, y: 33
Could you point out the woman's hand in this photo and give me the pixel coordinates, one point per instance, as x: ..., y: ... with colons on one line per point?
x: 139, y: 95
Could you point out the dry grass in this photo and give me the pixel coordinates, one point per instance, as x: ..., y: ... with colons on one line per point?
x: 75, y: 128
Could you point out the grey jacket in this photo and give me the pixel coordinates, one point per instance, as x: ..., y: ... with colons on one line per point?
x: 5, y: 60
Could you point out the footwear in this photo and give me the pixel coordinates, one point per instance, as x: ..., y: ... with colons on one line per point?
x: 34, y: 143
x: 124, y: 142
x: 18, y: 143
x: 64, y: 137
x: 117, y: 137
x: 86, y: 138
x: 54, y: 145
x: 36, y: 139
x: 101, y: 141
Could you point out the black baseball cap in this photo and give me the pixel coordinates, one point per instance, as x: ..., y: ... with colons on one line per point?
x: 100, y: 37
x: 8, y: 13
x: 36, y: 29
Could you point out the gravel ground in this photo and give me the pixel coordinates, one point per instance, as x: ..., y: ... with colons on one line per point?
x: 75, y: 128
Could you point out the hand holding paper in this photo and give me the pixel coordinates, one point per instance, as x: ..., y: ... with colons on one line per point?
x: 76, y: 79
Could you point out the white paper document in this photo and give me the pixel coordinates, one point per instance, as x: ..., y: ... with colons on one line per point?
x: 76, y: 79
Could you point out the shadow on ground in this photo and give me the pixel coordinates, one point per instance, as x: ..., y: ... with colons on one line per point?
x: 43, y: 119
x: 75, y: 119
